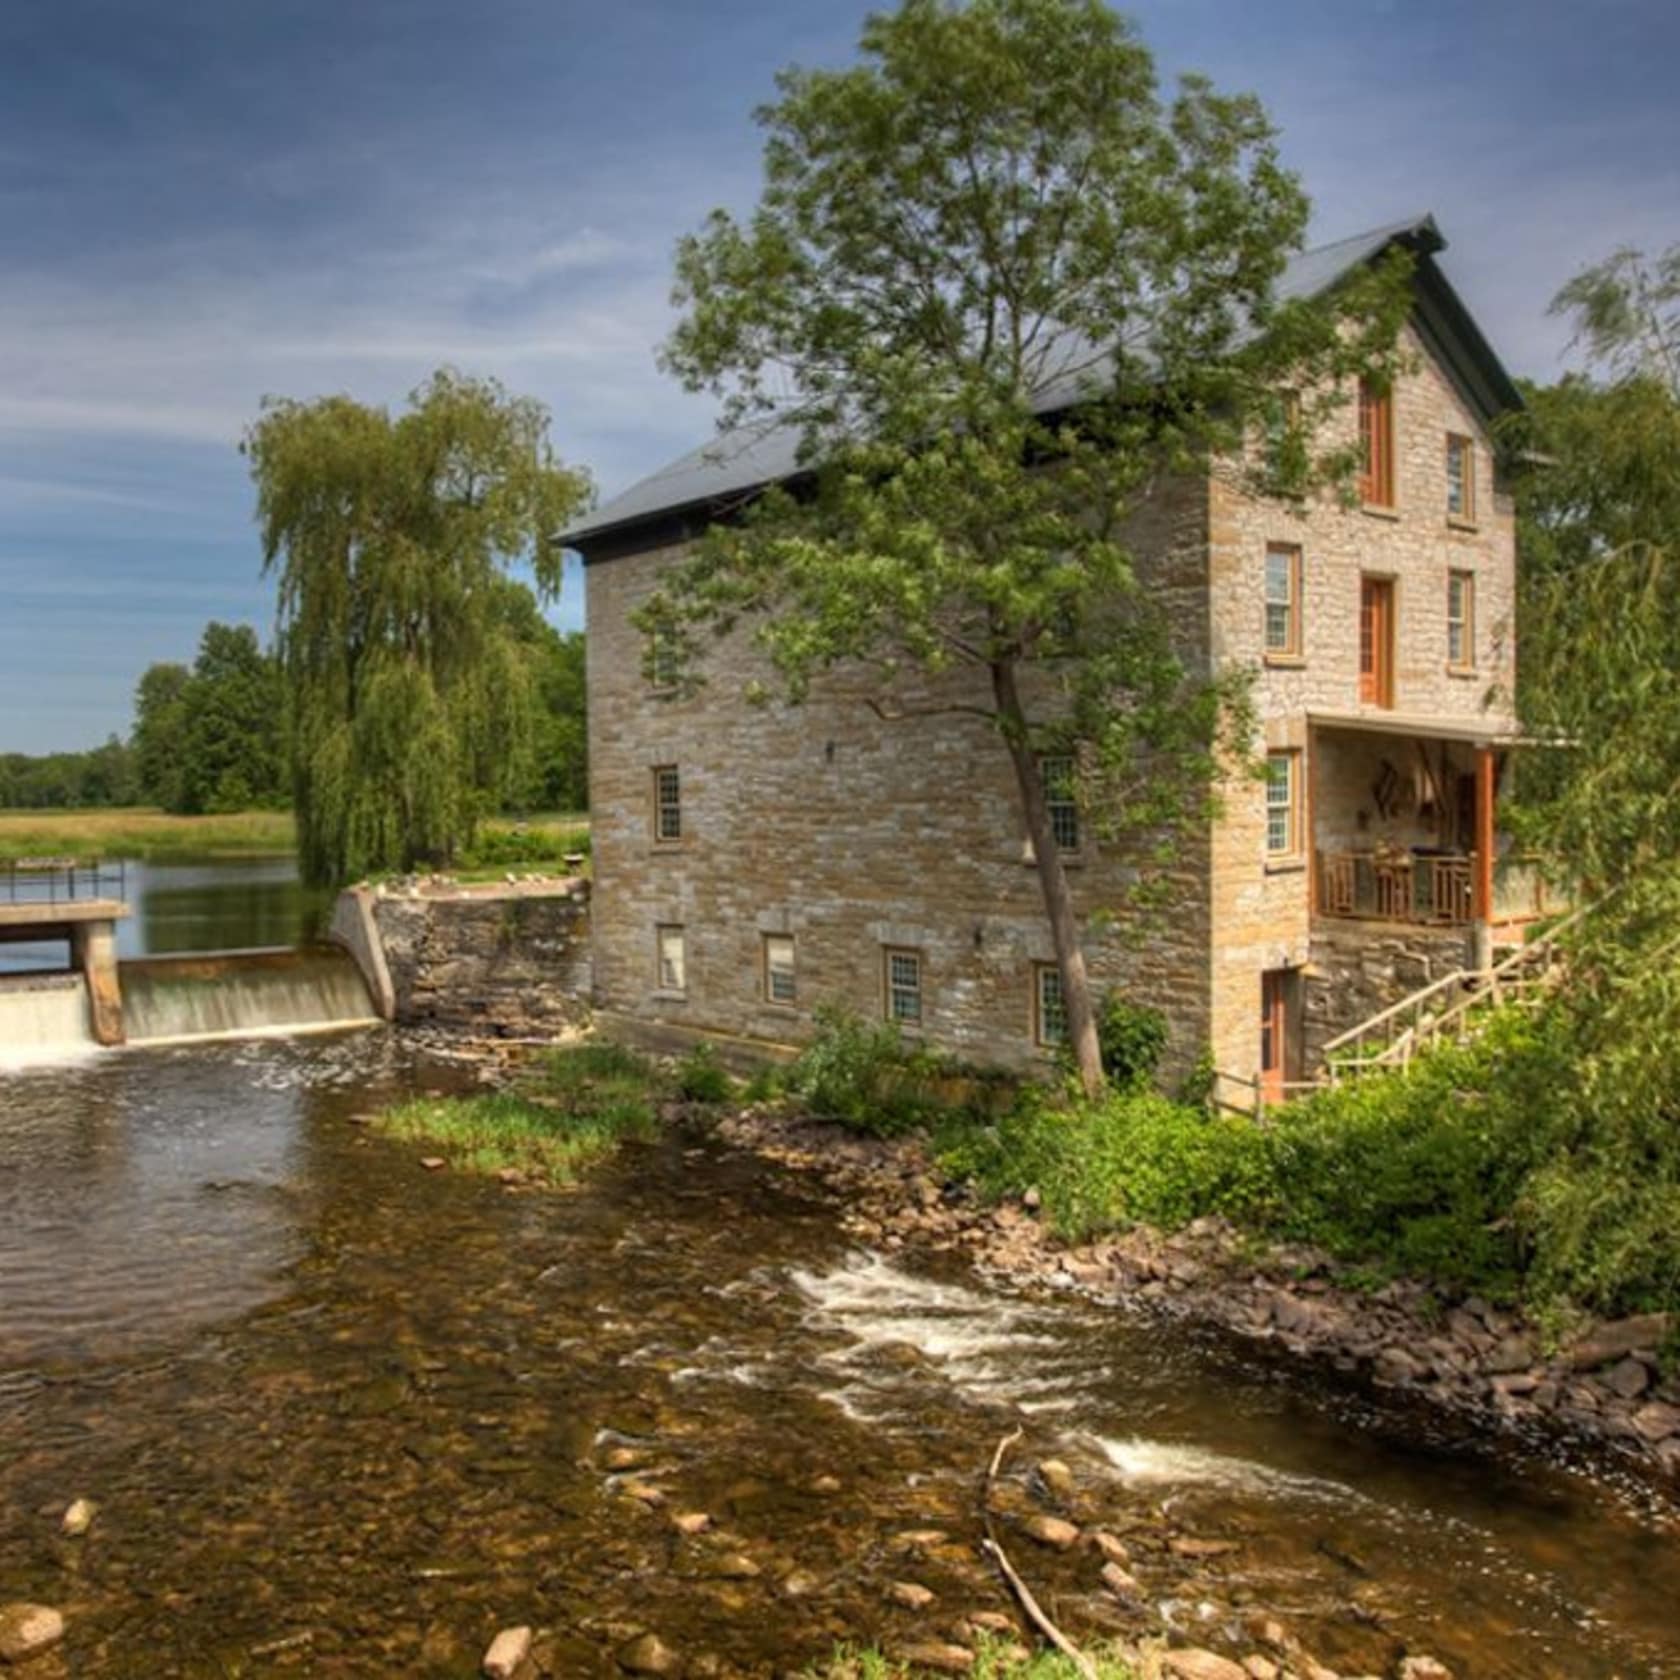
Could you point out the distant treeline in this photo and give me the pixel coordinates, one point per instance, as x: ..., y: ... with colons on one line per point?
x: 211, y: 737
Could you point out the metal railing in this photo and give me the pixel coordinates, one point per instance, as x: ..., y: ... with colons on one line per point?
x: 61, y: 880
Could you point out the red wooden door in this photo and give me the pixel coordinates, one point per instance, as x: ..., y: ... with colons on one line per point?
x: 1274, y: 1033
x: 1376, y: 641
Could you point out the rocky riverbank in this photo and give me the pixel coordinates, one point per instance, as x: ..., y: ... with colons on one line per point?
x: 1603, y: 1389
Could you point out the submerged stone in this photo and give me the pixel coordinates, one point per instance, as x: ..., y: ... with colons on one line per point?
x: 26, y: 1630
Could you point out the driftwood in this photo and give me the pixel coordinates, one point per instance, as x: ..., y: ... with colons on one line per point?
x: 994, y: 1548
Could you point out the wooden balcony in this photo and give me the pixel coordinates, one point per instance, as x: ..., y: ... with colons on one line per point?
x: 1425, y: 887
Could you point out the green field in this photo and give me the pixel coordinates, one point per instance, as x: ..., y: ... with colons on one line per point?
x: 140, y: 832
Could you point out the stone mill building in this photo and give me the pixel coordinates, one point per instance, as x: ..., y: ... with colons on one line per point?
x: 753, y: 862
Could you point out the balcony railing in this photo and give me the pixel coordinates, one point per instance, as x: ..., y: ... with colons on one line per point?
x: 1435, y: 888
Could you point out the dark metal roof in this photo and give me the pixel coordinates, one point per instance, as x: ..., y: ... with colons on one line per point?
x: 722, y: 472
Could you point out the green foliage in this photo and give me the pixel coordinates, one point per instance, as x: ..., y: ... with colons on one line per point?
x: 700, y: 1079
x: 412, y: 692
x: 864, y: 1074
x: 1133, y: 1038
x: 1002, y: 289
x: 511, y: 844
x: 106, y: 776
x: 993, y: 1660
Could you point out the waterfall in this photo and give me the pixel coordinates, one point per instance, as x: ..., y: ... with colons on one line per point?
x: 43, y: 1018
x: 226, y: 994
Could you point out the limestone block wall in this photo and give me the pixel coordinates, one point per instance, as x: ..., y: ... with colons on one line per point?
x: 1359, y: 968
x: 508, y: 963
x: 851, y: 835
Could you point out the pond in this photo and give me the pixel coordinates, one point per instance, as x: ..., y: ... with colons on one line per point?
x: 342, y: 1416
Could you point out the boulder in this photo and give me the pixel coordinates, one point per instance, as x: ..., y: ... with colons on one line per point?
x: 1057, y: 1478
x: 1197, y: 1664
x: 507, y: 1651
x: 647, y: 1653
x: 78, y: 1518
x: 1657, y: 1421
x: 26, y: 1630
x: 1051, y: 1531
x: 1605, y: 1342
x: 1423, y: 1668
x: 1628, y: 1378
x: 1125, y: 1587
x: 911, y: 1594
x: 940, y: 1657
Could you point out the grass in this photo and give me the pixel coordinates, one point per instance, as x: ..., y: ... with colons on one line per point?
x: 577, y: 1108
x: 992, y: 1661
x: 141, y: 832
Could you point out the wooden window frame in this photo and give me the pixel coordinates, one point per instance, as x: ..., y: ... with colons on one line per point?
x: 1376, y: 443
x: 1042, y: 971
x: 770, y: 971
x: 1294, y: 650
x: 1464, y: 580
x: 1290, y: 852
x: 890, y: 986
x: 1463, y: 446
x: 1062, y: 811
x: 663, y: 806
x: 661, y: 931
x: 1376, y: 686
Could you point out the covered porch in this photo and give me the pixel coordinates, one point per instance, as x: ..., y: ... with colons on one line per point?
x: 1404, y: 828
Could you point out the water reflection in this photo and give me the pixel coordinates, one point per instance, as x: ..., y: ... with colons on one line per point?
x: 328, y: 1398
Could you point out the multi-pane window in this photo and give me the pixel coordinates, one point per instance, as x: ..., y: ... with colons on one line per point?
x: 1283, y: 601
x: 1461, y: 619
x: 1376, y: 445
x: 779, y: 986
x: 1061, y: 802
x: 1050, y: 1020
x: 1461, y: 477
x: 1282, y: 804
x: 672, y: 969
x: 667, y: 803
x: 904, y: 987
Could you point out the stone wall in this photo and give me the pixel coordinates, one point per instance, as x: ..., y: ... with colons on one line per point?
x: 505, y: 962
x: 1359, y: 968
x: 851, y: 835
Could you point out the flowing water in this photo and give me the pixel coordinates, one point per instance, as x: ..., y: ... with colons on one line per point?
x: 346, y: 1417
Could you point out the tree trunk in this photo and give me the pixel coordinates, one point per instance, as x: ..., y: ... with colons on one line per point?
x: 1052, y: 880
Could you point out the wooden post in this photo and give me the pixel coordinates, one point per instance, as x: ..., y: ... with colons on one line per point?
x: 1484, y: 857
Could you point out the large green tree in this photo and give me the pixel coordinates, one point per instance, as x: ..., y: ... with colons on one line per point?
x: 410, y: 698
x: 1002, y: 289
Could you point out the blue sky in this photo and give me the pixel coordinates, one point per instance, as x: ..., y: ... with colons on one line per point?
x: 203, y: 201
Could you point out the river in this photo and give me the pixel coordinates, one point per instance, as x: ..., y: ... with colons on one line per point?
x: 345, y: 1417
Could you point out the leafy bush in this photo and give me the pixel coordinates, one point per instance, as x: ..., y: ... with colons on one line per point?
x: 496, y: 844
x: 700, y: 1078
x: 864, y: 1075
x: 1133, y: 1038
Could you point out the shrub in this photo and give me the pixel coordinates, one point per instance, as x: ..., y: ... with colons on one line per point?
x: 700, y: 1078
x: 1132, y: 1037
x: 496, y: 844
x: 864, y: 1075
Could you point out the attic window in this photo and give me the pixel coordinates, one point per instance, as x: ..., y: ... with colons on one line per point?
x: 1376, y: 444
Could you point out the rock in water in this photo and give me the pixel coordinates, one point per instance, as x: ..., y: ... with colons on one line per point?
x: 647, y: 1653
x: 507, y: 1651
x: 911, y: 1594
x: 1057, y: 1478
x: 1200, y: 1665
x: 78, y: 1517
x: 1051, y: 1531
x: 26, y: 1630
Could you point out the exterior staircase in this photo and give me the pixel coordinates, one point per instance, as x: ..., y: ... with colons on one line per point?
x: 1447, y: 1010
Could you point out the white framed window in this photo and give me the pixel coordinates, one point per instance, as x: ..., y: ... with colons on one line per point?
x: 667, y: 803
x: 1061, y: 801
x: 672, y: 969
x: 903, y: 994
x: 1283, y: 601
x: 780, y: 982
x: 1461, y: 477
x: 1050, y: 1019
x: 1283, y: 804
x: 1461, y: 620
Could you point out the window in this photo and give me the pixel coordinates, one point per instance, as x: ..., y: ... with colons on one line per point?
x: 1376, y: 444
x: 667, y: 803
x: 1058, y: 779
x: 1461, y: 477
x: 1283, y: 804
x: 1461, y: 620
x: 673, y: 971
x: 778, y: 968
x: 904, y: 987
x: 1050, y: 1021
x: 1283, y: 601
x: 1376, y: 641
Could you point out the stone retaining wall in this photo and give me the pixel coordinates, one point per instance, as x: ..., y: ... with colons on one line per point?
x: 509, y: 961
x: 1360, y: 968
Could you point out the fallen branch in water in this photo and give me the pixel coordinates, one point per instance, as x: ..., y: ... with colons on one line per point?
x: 994, y: 1547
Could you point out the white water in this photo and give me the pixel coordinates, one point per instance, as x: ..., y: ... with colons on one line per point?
x: 43, y: 1020
x: 242, y: 994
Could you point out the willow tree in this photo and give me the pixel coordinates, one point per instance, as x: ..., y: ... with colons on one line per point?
x: 1001, y: 289
x: 409, y: 693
